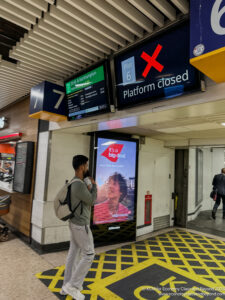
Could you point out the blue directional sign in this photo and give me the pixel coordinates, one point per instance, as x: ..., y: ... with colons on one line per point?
x: 207, y: 37
x: 47, y: 102
x: 207, y: 26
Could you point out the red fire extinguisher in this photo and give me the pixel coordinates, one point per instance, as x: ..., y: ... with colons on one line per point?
x: 148, y: 208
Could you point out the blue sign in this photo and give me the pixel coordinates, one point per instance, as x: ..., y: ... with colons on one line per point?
x: 156, y: 69
x: 48, y: 97
x: 207, y: 26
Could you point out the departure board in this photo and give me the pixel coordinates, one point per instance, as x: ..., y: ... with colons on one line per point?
x: 87, y: 94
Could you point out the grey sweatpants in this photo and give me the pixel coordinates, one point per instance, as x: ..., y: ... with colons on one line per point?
x: 80, y: 256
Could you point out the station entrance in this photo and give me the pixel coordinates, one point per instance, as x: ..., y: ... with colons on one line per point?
x: 195, y: 169
x: 209, y: 161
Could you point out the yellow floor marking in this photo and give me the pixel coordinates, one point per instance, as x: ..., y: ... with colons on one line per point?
x: 215, y: 278
x: 100, y: 266
x: 214, y: 246
x: 173, y: 238
x: 184, y: 260
x: 134, y: 252
x: 100, y: 286
x: 118, y: 260
x: 55, y: 279
x: 162, y: 250
x: 198, y: 258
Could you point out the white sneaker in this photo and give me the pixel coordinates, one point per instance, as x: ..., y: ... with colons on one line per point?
x: 73, y: 292
x: 62, y: 292
x: 81, y: 288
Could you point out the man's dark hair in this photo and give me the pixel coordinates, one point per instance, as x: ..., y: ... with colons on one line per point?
x: 223, y: 170
x: 79, y: 160
x: 117, y: 177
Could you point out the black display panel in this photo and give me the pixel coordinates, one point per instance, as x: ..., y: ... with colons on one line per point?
x: 88, y: 92
x: 155, y: 70
x: 115, y: 171
x: 23, y: 167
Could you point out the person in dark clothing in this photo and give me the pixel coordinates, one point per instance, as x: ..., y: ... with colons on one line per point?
x: 7, y: 169
x: 219, y: 185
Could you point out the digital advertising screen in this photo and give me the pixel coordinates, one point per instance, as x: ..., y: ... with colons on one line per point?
x: 87, y: 94
x: 157, y: 69
x: 116, y: 181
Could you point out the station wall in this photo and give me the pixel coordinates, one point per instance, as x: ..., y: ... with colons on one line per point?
x: 156, y: 174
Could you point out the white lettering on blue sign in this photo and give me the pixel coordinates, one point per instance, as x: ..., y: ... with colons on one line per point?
x: 162, y: 83
x: 37, y: 94
x: 216, y: 16
x: 62, y: 94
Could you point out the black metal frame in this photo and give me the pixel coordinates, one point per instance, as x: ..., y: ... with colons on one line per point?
x: 126, y: 231
x: 108, y: 84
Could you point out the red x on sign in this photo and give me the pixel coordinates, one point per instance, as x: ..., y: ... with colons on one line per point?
x: 151, y: 60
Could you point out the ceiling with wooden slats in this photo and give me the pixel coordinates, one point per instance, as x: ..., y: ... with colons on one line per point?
x: 54, y: 39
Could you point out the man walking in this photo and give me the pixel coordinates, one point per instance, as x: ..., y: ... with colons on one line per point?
x: 219, y: 185
x: 81, y: 252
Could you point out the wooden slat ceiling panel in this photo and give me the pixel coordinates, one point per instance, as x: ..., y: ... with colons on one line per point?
x: 54, y: 39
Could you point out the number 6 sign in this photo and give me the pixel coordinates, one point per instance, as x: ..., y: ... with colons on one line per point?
x: 207, y: 37
x: 216, y: 16
x: 47, y: 102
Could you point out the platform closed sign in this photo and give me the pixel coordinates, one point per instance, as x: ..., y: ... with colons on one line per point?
x: 47, y: 102
x: 157, y: 69
x: 207, y: 37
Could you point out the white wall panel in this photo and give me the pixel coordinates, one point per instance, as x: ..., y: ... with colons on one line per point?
x: 39, y: 193
x: 156, y: 174
x: 155, y: 165
x: 54, y: 235
x: 41, y: 166
x: 207, y: 203
x: 36, y: 233
x: 63, y: 148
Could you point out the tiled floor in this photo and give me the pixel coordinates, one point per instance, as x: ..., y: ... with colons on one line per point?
x: 19, y: 264
x: 205, y: 223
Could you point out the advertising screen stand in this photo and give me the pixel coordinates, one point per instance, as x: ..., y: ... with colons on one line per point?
x: 115, y: 164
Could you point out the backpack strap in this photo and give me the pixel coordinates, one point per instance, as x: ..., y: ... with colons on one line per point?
x: 74, y: 180
x: 69, y: 197
x: 73, y: 211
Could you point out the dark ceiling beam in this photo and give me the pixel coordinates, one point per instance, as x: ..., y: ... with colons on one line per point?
x: 9, y: 35
x: 7, y: 41
x: 11, y: 30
